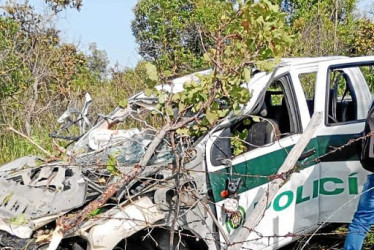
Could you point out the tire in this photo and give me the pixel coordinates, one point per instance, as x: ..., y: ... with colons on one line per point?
x: 155, y: 239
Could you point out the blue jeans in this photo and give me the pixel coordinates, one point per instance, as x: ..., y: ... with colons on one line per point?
x: 363, y: 218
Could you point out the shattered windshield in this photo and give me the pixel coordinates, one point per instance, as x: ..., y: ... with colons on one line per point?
x: 126, y: 146
x: 122, y: 136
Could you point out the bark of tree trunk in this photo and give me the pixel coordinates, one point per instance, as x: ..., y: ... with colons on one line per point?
x: 31, y: 107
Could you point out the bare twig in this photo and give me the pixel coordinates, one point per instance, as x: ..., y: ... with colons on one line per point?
x: 10, y: 128
x: 177, y: 187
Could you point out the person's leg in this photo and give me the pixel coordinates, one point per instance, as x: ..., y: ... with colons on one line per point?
x: 363, y: 218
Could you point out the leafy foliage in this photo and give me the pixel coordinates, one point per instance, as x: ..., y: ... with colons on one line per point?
x: 39, y: 76
x: 18, y: 220
x: 245, y: 36
x: 237, y: 140
x: 14, y: 73
x: 97, y: 62
x: 166, y: 35
x: 58, y: 5
x: 112, y: 164
x: 364, y: 38
x: 323, y: 27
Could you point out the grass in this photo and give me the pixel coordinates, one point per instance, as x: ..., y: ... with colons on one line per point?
x: 13, y: 146
x: 369, y: 240
x: 331, y: 237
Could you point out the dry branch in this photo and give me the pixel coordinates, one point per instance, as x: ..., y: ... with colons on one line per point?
x: 10, y: 128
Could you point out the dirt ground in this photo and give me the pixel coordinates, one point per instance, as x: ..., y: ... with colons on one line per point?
x: 331, y: 237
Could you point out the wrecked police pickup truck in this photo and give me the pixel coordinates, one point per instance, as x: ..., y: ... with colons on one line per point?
x: 217, y: 191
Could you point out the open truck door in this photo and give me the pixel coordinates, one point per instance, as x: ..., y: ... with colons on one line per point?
x: 344, y: 98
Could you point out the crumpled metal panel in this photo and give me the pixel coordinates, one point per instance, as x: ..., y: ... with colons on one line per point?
x: 14, y: 237
x: 51, y: 190
x: 18, y: 164
x: 121, y: 222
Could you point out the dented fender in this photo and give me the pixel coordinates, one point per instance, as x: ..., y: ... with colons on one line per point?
x: 122, y: 222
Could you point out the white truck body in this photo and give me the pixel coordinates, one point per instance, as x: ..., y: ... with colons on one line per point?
x: 325, y: 188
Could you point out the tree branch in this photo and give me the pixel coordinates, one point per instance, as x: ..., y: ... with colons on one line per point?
x: 10, y: 128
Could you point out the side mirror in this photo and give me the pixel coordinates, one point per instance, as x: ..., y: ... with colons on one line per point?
x: 221, y: 149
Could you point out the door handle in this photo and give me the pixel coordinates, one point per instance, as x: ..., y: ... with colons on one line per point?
x: 307, y: 154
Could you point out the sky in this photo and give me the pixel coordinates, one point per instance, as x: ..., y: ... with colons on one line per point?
x: 107, y: 23
x: 365, y: 5
x: 104, y: 22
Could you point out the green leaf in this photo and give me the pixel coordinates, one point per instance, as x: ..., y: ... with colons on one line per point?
x: 246, y: 122
x: 151, y: 72
x: 161, y: 99
x: 243, y: 96
x: 169, y: 111
x: 236, y: 108
x: 97, y: 211
x: 255, y: 118
x: 148, y: 92
x: 181, y: 106
x: 247, y: 75
x: 167, y: 73
x: 7, y: 198
x: 19, y: 220
x: 112, y: 164
x: 223, y: 113
x: 123, y: 103
x: 183, y: 131
x: 205, y: 121
x: 212, y: 117
x: 266, y: 65
x: 176, y: 97
x: 206, y: 57
x: 215, y: 106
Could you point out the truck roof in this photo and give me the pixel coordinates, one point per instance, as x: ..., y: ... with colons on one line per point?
x: 177, y: 83
x: 307, y: 60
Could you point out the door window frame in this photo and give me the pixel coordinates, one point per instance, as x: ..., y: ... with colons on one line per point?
x: 292, y: 109
x: 342, y: 66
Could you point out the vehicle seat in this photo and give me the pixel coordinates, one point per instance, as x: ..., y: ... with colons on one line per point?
x: 284, y: 119
x: 343, y: 112
x: 261, y: 133
x: 332, y: 105
x: 279, y: 113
